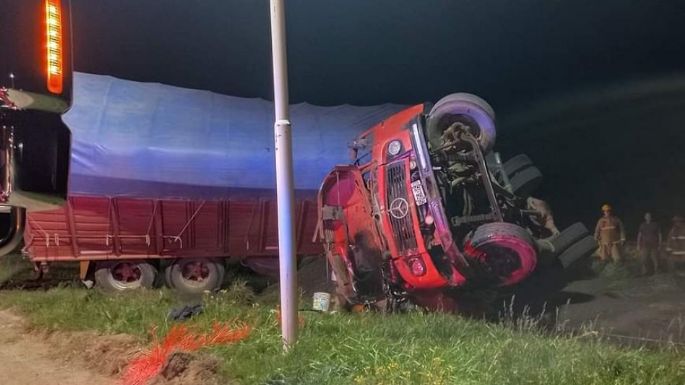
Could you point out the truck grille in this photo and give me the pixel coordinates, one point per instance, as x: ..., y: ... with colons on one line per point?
x: 396, y: 188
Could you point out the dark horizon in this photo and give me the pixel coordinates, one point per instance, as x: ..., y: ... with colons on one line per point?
x: 519, y: 56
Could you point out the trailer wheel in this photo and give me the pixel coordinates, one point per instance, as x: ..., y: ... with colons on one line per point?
x: 125, y: 275
x: 195, y: 275
x: 465, y: 108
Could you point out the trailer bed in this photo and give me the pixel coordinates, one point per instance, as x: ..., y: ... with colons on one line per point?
x: 103, y: 228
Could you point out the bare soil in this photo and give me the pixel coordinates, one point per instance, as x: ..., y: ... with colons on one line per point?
x: 27, y: 359
x: 615, y: 300
x: 635, y: 311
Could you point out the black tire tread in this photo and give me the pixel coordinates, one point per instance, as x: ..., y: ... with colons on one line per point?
x: 568, y: 237
x: 577, y: 251
x: 516, y: 163
x: 526, y: 181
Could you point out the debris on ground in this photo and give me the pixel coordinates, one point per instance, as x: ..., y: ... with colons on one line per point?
x: 185, y: 313
x: 182, y: 368
x: 180, y: 338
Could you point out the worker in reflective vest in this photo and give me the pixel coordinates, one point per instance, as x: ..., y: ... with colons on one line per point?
x: 675, y: 245
x: 610, y: 235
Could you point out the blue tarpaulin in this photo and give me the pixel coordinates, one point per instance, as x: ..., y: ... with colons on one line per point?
x: 154, y: 140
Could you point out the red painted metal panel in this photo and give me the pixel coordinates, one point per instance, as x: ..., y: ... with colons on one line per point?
x: 135, y: 219
x: 206, y: 228
x: 106, y: 228
x: 92, y: 225
x: 243, y: 218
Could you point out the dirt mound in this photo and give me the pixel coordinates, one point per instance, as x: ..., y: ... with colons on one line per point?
x: 183, y: 368
x: 27, y: 358
x: 107, y: 354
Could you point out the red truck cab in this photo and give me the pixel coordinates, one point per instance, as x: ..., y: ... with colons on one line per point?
x: 394, y: 224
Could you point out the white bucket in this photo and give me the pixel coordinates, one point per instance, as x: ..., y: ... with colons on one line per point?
x: 321, y: 301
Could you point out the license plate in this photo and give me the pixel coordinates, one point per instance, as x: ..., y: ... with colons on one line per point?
x: 419, y: 195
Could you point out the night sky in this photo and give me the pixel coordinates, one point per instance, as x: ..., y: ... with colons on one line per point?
x: 593, y: 91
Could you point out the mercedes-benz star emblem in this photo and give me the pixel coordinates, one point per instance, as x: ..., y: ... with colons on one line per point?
x: 399, y: 208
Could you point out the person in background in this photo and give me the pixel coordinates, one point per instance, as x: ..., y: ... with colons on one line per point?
x: 675, y: 244
x: 648, y: 244
x: 544, y: 215
x: 610, y: 235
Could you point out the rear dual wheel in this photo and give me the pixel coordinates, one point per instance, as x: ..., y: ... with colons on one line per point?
x: 185, y: 275
x: 116, y: 276
x: 194, y: 275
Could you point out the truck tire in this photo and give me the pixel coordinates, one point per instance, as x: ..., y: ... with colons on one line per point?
x: 195, y: 275
x: 468, y: 109
x: 524, y: 182
x: 517, y: 163
x: 503, y: 252
x: 115, y: 276
x: 13, y: 220
x: 578, y: 250
x: 568, y: 237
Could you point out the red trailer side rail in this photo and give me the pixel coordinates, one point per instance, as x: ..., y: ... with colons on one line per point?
x: 101, y: 228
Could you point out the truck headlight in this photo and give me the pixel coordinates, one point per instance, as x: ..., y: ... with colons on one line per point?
x: 394, y: 148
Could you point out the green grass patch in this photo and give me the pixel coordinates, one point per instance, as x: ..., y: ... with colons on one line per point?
x: 412, y: 348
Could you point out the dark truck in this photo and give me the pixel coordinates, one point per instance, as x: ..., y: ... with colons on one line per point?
x: 35, y: 89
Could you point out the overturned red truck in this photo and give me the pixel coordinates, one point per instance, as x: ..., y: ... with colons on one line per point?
x: 165, y: 179
x: 427, y: 209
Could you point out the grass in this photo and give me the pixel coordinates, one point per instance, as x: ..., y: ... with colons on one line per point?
x: 413, y: 348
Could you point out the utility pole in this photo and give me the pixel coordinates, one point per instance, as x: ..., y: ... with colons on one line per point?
x: 285, y: 188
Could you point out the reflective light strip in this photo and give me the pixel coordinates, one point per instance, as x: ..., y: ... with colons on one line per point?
x: 53, y: 45
x: 419, y: 146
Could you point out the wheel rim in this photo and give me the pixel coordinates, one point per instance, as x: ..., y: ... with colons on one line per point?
x: 195, y: 273
x: 126, y: 275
